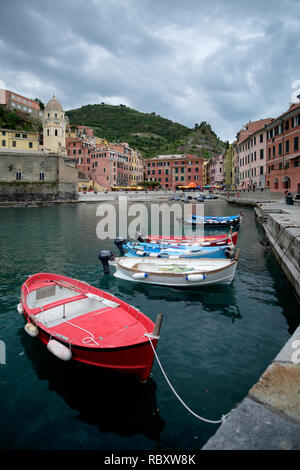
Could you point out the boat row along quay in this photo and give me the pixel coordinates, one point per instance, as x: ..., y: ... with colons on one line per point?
x: 269, y: 416
x: 281, y: 224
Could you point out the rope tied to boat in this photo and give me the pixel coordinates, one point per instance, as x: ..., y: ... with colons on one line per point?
x: 86, y: 339
x: 223, y: 418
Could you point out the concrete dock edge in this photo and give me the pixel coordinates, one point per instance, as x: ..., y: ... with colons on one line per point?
x: 269, y: 416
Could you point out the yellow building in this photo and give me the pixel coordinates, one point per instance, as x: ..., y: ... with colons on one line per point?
x: 227, y: 167
x: 137, y: 168
x: 204, y: 172
x: 19, y: 140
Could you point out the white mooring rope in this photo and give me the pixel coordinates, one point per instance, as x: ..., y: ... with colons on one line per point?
x: 176, y: 394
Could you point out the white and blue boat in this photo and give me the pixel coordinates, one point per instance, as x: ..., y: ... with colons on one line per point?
x: 176, y: 273
x: 164, y: 250
x: 213, y: 220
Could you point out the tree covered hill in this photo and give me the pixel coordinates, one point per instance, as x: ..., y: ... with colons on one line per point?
x: 19, y: 121
x: 151, y: 134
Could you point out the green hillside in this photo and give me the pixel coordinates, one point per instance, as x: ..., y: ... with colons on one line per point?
x: 18, y: 121
x: 151, y: 134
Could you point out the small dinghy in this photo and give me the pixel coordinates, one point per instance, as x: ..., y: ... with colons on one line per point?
x: 165, y: 250
x: 78, y: 321
x: 176, y: 273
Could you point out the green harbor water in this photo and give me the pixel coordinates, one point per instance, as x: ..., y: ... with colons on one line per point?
x: 215, y: 342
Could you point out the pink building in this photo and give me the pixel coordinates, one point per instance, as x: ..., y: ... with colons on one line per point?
x: 215, y: 171
x: 251, y: 154
x: 116, y: 165
x: 283, y: 151
x: 80, y: 150
x: 83, y: 131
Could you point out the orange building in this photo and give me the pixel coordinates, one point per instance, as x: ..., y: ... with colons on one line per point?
x: 174, y: 170
x: 283, y: 151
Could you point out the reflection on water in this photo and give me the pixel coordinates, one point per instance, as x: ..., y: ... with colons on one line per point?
x: 113, y: 403
x: 211, y: 298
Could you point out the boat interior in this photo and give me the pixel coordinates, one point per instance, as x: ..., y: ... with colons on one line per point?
x: 181, y: 265
x: 59, y: 304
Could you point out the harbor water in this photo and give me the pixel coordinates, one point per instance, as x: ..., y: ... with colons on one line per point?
x: 215, y: 342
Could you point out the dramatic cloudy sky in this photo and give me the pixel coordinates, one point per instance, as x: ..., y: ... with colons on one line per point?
x: 221, y: 61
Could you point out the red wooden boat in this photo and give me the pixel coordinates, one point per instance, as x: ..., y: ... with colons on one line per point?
x: 89, y: 325
x: 207, y: 240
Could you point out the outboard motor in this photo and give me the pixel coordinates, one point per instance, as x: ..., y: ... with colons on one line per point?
x: 229, y: 253
x: 119, y: 242
x: 139, y: 236
x: 105, y: 256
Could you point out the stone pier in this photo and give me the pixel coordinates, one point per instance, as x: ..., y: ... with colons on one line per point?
x: 269, y: 417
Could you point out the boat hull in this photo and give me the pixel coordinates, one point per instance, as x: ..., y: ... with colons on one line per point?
x: 208, y: 240
x: 189, y: 253
x: 222, y: 276
x: 134, y: 360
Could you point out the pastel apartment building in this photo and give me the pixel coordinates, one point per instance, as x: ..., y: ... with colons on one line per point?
x: 283, y: 151
x: 251, y: 147
x: 19, y: 140
x: 215, y: 171
x: 115, y: 165
x: 13, y: 101
x: 172, y: 171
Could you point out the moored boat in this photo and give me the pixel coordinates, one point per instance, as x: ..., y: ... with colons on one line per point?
x: 78, y: 321
x: 212, y: 220
x: 176, y: 273
x: 165, y: 250
x: 206, y: 240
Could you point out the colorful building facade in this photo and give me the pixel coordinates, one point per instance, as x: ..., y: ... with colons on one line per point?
x: 283, y: 151
x: 251, y: 154
x: 19, y: 140
x: 172, y: 171
x: 215, y: 171
x: 115, y: 165
x: 227, y: 167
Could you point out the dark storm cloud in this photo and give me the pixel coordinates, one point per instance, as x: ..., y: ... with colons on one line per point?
x: 224, y: 62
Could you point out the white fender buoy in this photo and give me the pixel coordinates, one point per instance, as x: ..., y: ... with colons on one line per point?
x: 140, y: 253
x: 31, y: 330
x: 139, y: 275
x: 20, y: 308
x: 59, y: 350
x: 195, y: 277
